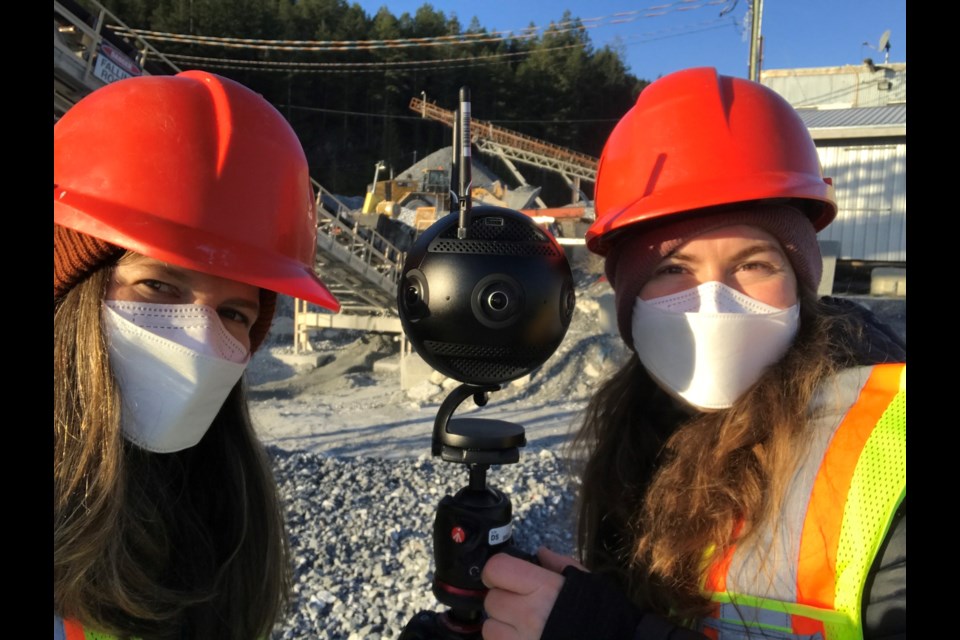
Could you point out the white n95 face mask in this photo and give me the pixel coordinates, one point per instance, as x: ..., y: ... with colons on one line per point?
x: 710, y: 344
x: 175, y: 365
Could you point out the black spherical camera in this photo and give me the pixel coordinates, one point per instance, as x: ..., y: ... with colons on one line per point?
x: 489, y: 307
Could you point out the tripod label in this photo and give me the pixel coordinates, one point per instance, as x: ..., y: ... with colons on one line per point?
x: 499, y: 535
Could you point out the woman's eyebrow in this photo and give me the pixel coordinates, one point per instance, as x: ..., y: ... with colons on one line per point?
x: 759, y: 247
x: 677, y: 254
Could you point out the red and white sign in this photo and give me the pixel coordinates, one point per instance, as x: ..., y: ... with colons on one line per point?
x: 458, y: 535
x: 112, y: 64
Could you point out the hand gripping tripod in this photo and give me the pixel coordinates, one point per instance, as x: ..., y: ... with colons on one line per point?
x: 471, y: 525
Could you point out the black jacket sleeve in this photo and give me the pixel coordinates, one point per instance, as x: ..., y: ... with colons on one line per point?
x: 873, y: 341
x: 885, y: 594
x: 591, y: 606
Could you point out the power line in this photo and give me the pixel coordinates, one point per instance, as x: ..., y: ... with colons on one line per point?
x: 674, y: 32
x: 402, y: 65
x: 382, y: 116
x: 344, y: 45
x: 238, y: 67
x: 578, y: 25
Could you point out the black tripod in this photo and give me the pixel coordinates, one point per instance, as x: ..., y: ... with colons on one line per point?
x: 472, y: 525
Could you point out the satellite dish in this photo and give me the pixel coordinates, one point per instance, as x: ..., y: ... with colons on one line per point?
x: 885, y: 44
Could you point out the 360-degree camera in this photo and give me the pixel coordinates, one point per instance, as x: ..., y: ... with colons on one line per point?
x: 490, y: 307
x: 485, y: 297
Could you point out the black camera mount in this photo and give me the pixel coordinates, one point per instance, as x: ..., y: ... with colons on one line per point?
x: 471, y: 525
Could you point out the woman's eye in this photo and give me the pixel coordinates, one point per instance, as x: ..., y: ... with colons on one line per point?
x: 758, y: 266
x: 235, y: 316
x: 158, y: 286
x: 669, y: 269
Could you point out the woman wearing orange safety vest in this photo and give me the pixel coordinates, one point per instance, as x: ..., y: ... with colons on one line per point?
x: 181, y: 206
x: 744, y: 471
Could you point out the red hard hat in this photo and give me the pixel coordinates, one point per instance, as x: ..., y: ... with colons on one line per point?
x: 697, y: 139
x: 195, y: 170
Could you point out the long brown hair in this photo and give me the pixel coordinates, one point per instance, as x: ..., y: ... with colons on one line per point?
x: 185, y: 544
x: 663, y: 486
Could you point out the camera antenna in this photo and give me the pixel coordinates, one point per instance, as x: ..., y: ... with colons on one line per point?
x: 455, y: 163
x: 462, y: 151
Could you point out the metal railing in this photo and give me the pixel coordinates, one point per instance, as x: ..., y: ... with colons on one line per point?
x: 84, y: 37
x: 359, y: 266
x: 369, y: 251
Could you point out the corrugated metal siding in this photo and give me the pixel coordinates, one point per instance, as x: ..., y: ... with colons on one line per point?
x: 854, y: 117
x: 871, y: 196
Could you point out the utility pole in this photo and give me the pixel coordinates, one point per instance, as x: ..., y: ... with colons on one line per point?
x: 756, y: 40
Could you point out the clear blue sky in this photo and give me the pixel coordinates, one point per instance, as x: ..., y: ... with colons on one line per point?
x: 658, y: 38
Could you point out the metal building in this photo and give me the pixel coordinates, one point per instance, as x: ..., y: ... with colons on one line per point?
x: 857, y: 116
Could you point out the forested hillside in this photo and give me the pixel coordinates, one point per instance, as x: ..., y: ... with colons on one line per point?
x: 344, y: 78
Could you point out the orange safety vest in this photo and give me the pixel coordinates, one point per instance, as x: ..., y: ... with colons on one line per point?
x: 804, y: 576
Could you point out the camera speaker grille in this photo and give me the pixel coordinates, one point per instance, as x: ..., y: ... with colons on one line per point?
x: 485, y: 362
x: 506, y: 237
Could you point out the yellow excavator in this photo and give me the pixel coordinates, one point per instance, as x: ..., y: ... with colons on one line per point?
x: 426, y: 195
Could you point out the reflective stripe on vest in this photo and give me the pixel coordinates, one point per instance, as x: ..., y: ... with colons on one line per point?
x: 73, y: 630
x: 811, y: 565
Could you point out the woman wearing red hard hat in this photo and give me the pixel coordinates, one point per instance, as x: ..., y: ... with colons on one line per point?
x: 181, y: 205
x: 745, y: 471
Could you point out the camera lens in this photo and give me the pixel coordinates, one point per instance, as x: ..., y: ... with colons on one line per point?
x: 498, y: 300
x: 568, y: 304
x: 412, y: 295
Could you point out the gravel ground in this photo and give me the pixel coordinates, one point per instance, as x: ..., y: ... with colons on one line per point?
x: 361, y: 534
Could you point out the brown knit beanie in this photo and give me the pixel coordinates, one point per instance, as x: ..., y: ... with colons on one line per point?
x: 76, y: 255
x: 632, y: 259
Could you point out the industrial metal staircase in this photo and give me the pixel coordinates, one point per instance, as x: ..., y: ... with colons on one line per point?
x: 359, y: 266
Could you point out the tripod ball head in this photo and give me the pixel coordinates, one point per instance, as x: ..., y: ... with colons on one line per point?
x: 489, y: 305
